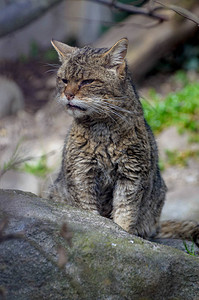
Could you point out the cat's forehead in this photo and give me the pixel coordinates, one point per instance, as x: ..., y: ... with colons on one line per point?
x: 88, y: 52
x: 83, y: 61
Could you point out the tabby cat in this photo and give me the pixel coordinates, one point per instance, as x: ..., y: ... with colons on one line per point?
x: 110, y: 157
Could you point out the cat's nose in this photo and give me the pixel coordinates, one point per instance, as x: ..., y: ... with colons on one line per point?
x: 69, y: 96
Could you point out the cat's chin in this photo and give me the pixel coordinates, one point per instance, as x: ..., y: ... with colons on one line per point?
x: 75, y: 107
x: 76, y: 112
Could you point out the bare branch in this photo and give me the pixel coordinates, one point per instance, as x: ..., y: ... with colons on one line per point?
x: 133, y: 9
x: 14, y: 161
x: 182, y: 12
x: 151, y: 10
x: 20, y: 13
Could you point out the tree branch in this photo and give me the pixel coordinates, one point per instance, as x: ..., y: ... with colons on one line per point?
x: 150, y: 12
x: 20, y: 13
x: 182, y: 12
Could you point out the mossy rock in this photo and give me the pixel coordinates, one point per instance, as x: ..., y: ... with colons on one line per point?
x: 103, y: 262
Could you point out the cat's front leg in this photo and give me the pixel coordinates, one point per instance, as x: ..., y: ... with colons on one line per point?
x: 127, y: 198
x: 81, y: 185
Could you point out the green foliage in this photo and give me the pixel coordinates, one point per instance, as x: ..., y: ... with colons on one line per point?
x: 181, y: 77
x: 15, y: 160
x: 180, y: 158
x: 190, y: 251
x: 36, y: 166
x: 179, y: 109
x: 39, y: 168
x: 34, y: 49
x: 23, y: 58
x: 50, y: 55
x: 161, y: 165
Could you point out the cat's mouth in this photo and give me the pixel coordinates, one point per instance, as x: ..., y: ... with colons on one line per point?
x: 75, y: 107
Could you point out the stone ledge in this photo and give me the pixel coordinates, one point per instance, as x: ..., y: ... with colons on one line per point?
x: 104, y: 261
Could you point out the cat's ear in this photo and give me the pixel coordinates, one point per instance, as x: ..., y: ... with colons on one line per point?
x: 116, y: 55
x: 62, y: 49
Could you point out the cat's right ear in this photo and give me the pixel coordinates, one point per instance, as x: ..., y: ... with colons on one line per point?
x: 115, y: 56
x: 62, y: 49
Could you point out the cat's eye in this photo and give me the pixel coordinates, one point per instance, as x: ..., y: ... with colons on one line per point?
x: 87, y: 81
x: 64, y: 80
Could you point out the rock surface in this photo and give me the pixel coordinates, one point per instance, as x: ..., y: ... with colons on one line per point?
x: 104, y: 262
x: 11, y: 97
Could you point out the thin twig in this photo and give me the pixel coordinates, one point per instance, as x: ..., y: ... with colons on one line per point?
x: 133, y: 9
x: 181, y: 11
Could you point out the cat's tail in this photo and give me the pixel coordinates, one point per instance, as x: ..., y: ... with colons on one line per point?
x: 185, y: 230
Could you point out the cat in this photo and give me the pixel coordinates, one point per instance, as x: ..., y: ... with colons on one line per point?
x: 110, y: 156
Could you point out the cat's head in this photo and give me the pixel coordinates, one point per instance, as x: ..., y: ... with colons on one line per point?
x: 90, y: 81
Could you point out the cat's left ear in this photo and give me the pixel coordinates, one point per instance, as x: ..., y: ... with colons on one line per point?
x: 115, y: 56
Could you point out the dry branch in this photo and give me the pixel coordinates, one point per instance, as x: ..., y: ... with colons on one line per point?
x: 182, y: 12
x: 20, y: 13
x: 146, y: 11
x: 150, y: 10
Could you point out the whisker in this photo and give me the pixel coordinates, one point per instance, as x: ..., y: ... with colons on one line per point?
x: 52, y: 65
x: 54, y: 68
x: 120, y: 116
x: 113, y: 100
x: 104, y: 110
x: 111, y: 110
x: 99, y: 109
x: 52, y: 71
x: 116, y: 107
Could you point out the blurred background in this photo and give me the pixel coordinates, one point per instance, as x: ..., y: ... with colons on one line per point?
x: 163, y: 57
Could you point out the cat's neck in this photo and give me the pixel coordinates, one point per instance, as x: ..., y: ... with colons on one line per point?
x: 104, y: 125
x: 105, y: 130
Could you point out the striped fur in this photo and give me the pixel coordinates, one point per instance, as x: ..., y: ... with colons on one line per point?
x: 110, y: 157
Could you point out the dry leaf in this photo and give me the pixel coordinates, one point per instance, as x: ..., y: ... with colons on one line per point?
x: 62, y: 257
x: 66, y: 233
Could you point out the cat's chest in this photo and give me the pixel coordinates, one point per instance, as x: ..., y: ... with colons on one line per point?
x: 103, y: 154
x: 96, y: 160
x: 106, y: 155
x: 98, y: 145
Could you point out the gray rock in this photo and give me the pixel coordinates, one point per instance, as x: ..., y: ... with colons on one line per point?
x: 104, y: 261
x: 11, y: 97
